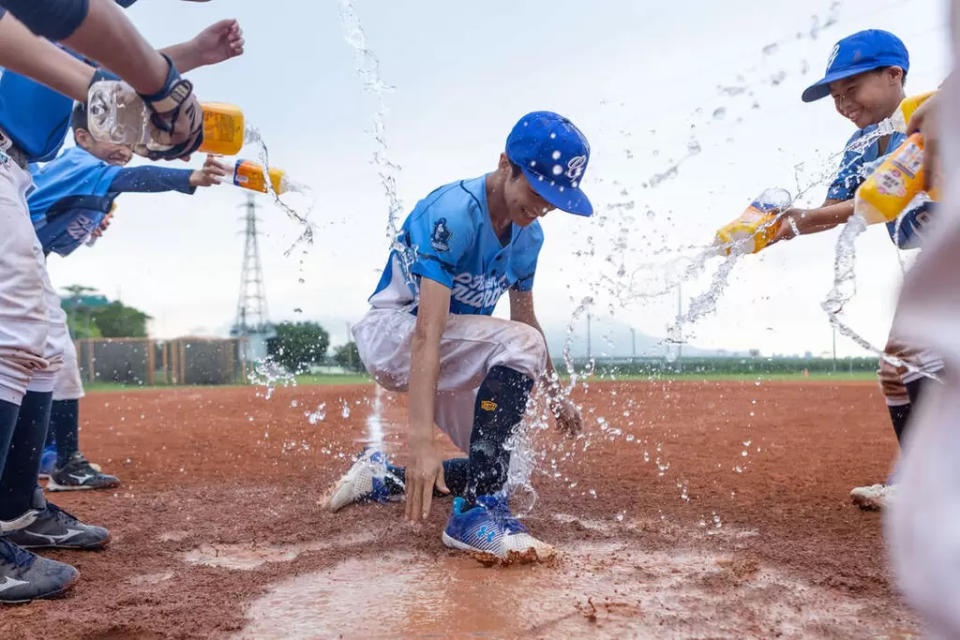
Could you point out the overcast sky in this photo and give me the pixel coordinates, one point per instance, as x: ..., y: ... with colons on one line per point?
x: 646, y: 81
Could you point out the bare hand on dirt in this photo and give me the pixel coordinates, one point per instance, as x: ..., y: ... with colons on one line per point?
x: 926, y: 120
x: 424, y: 472
x: 568, y: 416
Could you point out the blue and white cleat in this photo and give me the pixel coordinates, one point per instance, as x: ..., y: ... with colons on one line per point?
x: 364, y: 482
x: 48, y: 461
x: 491, y: 530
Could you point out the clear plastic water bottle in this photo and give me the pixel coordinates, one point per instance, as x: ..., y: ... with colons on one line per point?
x: 116, y: 113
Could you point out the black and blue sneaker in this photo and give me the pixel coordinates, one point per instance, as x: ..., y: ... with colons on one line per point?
x: 365, y: 481
x: 490, y: 529
x: 54, y: 528
x: 25, y: 576
x: 78, y: 474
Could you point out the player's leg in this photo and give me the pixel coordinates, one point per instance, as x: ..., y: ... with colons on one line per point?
x: 470, y: 346
x: 21, y: 496
x: 23, y: 335
x: 71, y: 471
x: 487, y: 368
x: 923, y: 524
x: 510, y: 356
x: 901, y: 388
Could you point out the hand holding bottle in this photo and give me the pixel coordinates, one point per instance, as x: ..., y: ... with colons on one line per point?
x: 926, y: 121
x: 212, y: 172
x: 757, y: 226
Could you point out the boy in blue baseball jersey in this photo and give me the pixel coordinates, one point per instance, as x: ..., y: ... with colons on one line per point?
x: 72, y: 198
x: 865, y: 76
x: 429, y: 332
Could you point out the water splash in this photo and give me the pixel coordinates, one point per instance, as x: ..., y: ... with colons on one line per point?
x: 368, y: 69
x: 845, y: 288
x: 270, y: 374
x: 254, y: 137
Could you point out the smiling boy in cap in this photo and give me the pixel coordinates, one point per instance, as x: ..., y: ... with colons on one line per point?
x: 865, y: 77
x: 429, y: 332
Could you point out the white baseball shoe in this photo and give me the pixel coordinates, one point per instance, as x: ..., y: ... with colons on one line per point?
x: 365, y: 481
x: 875, y: 497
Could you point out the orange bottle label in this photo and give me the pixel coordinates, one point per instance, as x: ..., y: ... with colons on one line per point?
x: 249, y: 175
x: 894, y: 184
x: 223, y: 129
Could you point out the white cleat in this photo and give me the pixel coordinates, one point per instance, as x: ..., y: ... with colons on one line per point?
x: 363, y: 482
x: 875, y: 497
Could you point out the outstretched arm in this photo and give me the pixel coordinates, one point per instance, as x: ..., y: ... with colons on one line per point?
x: 833, y: 213
x: 27, y: 54
x: 425, y: 469
x: 218, y: 42
x: 154, y: 179
x: 568, y: 416
x: 107, y: 36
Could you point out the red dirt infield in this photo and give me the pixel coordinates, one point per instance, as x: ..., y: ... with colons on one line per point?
x: 698, y: 509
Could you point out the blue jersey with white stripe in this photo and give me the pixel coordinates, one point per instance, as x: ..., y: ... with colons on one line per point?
x: 907, y: 232
x: 448, y: 238
x: 71, y: 198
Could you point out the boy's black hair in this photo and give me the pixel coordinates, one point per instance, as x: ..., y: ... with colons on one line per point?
x: 78, y: 119
x: 514, y: 170
x: 903, y: 78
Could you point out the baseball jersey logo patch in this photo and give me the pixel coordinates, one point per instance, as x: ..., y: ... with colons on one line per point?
x: 488, y: 405
x: 440, y: 238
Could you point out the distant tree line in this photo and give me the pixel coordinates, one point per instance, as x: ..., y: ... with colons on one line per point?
x: 299, y: 345
x: 91, y: 315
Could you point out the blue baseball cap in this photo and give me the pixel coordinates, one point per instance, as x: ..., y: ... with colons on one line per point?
x: 553, y: 155
x: 863, y: 51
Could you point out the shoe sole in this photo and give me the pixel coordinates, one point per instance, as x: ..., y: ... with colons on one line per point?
x: 480, y: 554
x: 867, y: 503
x: 75, y: 547
x: 488, y: 558
x: 49, y: 594
x: 53, y: 485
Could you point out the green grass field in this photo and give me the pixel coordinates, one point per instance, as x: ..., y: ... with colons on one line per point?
x: 307, y: 380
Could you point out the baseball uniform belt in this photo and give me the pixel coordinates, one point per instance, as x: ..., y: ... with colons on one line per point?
x: 10, y: 148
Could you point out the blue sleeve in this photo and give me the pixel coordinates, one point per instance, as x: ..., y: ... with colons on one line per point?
x: 844, y: 186
x: 908, y: 232
x: 526, y: 265
x: 152, y: 179
x: 54, y: 19
x: 442, y: 233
